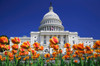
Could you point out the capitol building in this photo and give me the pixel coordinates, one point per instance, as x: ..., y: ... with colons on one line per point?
x: 50, y: 26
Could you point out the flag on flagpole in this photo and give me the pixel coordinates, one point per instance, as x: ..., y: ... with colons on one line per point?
x: 52, y: 28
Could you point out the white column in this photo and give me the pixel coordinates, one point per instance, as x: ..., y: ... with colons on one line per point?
x: 47, y: 40
x: 42, y: 40
x: 61, y: 40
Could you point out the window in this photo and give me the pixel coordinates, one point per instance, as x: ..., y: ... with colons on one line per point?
x: 35, y: 37
x: 73, y: 42
x: 64, y: 41
x: 44, y: 41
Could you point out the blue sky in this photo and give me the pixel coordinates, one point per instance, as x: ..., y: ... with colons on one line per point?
x: 20, y: 17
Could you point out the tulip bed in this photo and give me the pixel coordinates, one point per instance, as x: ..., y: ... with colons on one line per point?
x: 77, y: 55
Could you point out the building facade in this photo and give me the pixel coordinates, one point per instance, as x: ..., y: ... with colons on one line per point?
x: 51, y: 25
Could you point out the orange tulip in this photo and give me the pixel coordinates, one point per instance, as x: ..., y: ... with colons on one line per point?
x: 2, y: 46
x: 94, y: 46
x: 33, y: 52
x: 74, y: 55
x: 3, y: 39
x: 22, y: 50
x: 27, y: 57
x: 7, y: 47
x: 54, y: 54
x: 56, y: 47
x: 97, y: 42
x: 60, y: 51
x: 15, y: 47
x: 68, y: 49
x: 26, y: 52
x: 76, y: 52
x: 88, y: 48
x: 34, y: 56
x: 0, y: 57
x: 75, y: 61
x: 75, y: 46
x: 47, y: 55
x: 95, y: 55
x: 24, y: 59
x: 47, y: 60
x: 66, y: 56
x: 36, y: 45
x: 10, y: 55
x: 14, y: 51
x: 27, y: 43
x: 16, y: 40
x: 29, y: 49
x: 6, y: 53
x: 41, y: 48
x: 51, y: 59
x: 3, y: 59
x: 67, y: 45
x: 51, y: 45
x: 80, y: 46
x: 37, y: 55
x: 54, y: 40
x: 68, y: 53
x: 89, y: 52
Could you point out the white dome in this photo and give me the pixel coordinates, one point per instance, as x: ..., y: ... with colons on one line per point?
x: 51, y: 14
x: 51, y: 22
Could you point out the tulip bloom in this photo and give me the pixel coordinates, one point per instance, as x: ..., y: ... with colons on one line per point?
x: 80, y: 46
x: 75, y: 61
x: 2, y: 46
x: 16, y: 40
x: 6, y: 53
x: 87, y: 47
x: 68, y: 49
x: 14, y: 51
x: 15, y: 47
x: 67, y: 45
x: 29, y: 49
x: 41, y: 48
x: 26, y: 45
x: 3, y: 40
x: 7, y: 47
x: 0, y: 57
x: 75, y: 46
x: 60, y: 51
x: 56, y: 47
x: 22, y: 50
x: 54, y: 40
x: 47, y: 55
x: 10, y: 55
x: 36, y: 45
x: 33, y: 52
x: 97, y: 42
x: 74, y: 56
x: 54, y: 54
